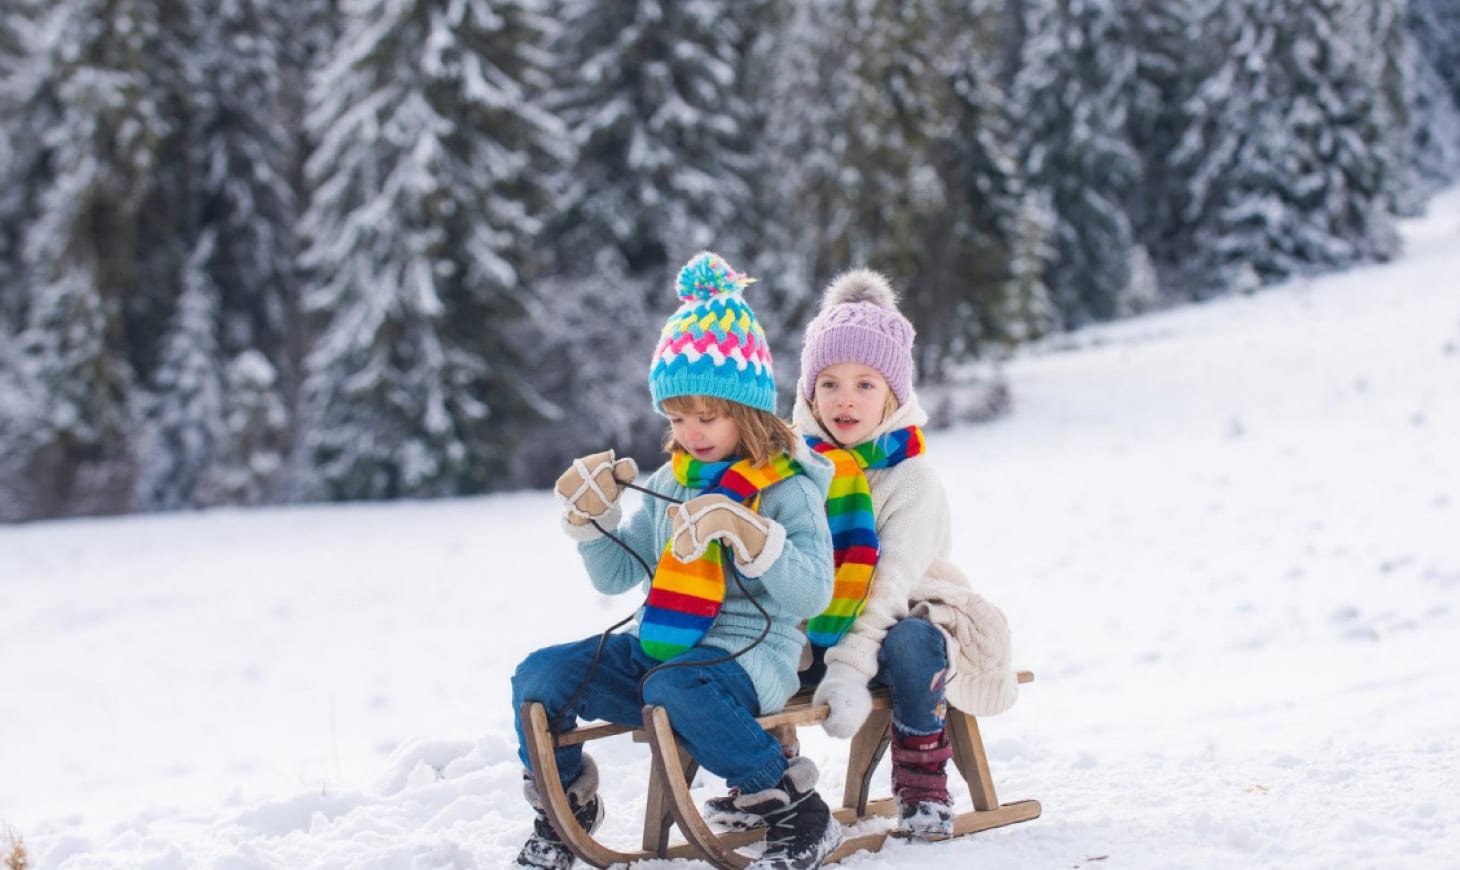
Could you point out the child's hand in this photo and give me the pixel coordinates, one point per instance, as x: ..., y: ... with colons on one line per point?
x: 844, y: 690
x: 715, y: 517
x: 591, y: 486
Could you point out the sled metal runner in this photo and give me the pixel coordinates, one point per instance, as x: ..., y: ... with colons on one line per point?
x: 670, y: 802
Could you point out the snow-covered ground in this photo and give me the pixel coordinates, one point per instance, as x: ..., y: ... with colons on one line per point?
x: 1227, y: 538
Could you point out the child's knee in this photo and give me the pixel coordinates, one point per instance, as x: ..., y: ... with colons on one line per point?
x: 913, y: 635
x: 535, y: 676
x: 671, y: 687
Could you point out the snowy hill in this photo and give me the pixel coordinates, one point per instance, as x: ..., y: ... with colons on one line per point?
x: 1225, y: 537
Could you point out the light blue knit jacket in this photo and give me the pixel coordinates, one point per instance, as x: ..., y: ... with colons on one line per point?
x: 797, y: 586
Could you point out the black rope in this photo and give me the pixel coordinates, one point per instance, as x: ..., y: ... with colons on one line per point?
x: 567, y: 711
x: 567, y: 714
x: 655, y: 493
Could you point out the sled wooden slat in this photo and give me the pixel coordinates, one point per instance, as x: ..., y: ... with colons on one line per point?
x: 669, y: 798
x: 658, y: 819
x: 882, y: 808
x: 969, y: 757
x: 659, y: 810
x: 872, y: 842
x: 590, y: 732
x: 868, y: 744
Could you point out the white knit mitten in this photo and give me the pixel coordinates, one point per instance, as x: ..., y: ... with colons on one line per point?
x: 845, y: 691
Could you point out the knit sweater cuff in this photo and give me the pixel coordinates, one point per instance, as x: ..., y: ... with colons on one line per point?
x: 775, y: 542
x: 857, y: 652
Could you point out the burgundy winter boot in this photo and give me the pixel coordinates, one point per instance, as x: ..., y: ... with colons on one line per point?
x: 920, y: 784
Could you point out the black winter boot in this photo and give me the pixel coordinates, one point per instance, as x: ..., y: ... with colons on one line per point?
x: 800, y: 829
x: 920, y: 784
x: 722, y: 810
x: 544, y: 850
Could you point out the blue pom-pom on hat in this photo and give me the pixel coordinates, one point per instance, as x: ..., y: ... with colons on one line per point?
x: 707, y: 275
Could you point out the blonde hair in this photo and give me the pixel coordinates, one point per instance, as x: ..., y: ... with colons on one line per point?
x: 889, y: 407
x: 762, y: 434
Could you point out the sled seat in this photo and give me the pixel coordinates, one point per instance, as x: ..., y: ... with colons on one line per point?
x: 669, y: 801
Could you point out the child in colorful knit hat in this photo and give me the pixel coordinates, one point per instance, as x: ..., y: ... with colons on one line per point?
x: 741, y: 548
x: 905, y: 616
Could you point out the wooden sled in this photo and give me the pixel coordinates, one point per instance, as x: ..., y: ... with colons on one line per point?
x: 670, y: 800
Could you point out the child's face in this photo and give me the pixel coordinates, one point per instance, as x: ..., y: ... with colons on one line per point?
x: 705, y: 435
x: 850, y: 399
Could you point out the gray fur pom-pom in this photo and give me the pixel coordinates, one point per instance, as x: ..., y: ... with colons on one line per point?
x: 859, y: 285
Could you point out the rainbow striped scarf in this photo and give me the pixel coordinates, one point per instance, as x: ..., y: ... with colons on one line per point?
x: 854, y: 525
x: 685, y: 597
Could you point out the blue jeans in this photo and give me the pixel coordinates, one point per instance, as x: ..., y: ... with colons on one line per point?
x: 712, y: 706
x: 913, y: 664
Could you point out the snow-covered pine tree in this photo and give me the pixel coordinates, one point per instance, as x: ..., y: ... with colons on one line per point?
x: 652, y: 94
x: 990, y: 288
x: 890, y: 186
x: 183, y: 431
x: 891, y: 103
x: 162, y: 243
x: 256, y: 430
x: 240, y: 210
x: 654, y: 97
x: 15, y: 411
x: 17, y: 48
x: 1432, y: 79
x: 311, y: 29
x: 101, y: 129
x: 1434, y: 123
x: 68, y: 450
x: 768, y: 228
x: 1382, y: 46
x: 1161, y: 34
x: 309, y: 32
x: 1436, y: 28
x: 891, y: 156
x: 427, y: 190
x: 1286, y: 163
x: 1070, y: 96
x: 804, y: 106
x: 242, y: 152
x: 216, y: 426
x: 21, y: 59
x: 18, y: 38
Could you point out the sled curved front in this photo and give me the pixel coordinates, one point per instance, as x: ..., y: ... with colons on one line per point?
x: 715, y: 847
x: 540, y: 745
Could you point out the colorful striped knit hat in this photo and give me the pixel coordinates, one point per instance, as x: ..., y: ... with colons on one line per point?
x: 713, y: 345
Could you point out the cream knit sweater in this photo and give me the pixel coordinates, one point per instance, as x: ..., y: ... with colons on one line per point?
x: 915, y: 578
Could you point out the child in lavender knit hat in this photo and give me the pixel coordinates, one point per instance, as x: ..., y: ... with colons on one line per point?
x: 919, y: 628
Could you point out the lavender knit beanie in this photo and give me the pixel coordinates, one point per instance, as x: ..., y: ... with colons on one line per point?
x: 859, y: 323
